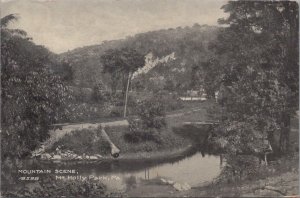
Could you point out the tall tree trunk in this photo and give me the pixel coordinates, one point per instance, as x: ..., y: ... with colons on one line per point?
x: 126, y: 94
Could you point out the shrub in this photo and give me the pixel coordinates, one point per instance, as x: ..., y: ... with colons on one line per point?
x: 98, y: 94
x: 50, y: 187
x: 151, y: 113
x: 170, y: 100
x: 86, y: 111
x: 239, y: 167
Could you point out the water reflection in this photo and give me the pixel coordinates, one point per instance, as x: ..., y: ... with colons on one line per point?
x: 194, y: 168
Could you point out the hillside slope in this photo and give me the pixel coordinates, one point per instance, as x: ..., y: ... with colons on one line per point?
x: 189, y: 45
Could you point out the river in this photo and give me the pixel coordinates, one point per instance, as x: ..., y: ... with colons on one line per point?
x: 193, y: 168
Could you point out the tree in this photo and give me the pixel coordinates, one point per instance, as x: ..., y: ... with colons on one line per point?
x: 121, y: 64
x: 32, y: 98
x: 63, y: 69
x: 258, y: 59
x: 151, y: 113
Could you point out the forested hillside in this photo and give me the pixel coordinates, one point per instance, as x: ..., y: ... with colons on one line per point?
x: 189, y: 45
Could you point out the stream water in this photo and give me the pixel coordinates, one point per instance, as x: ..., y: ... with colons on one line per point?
x: 194, y: 169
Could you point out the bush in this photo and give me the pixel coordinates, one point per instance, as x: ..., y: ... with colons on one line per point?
x: 151, y: 113
x: 85, y: 111
x: 50, y: 187
x: 170, y: 100
x: 98, y: 94
x: 239, y: 167
x: 138, y: 134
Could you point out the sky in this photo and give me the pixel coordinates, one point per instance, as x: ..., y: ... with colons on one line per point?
x: 62, y: 25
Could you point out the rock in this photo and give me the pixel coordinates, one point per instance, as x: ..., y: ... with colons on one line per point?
x: 93, y: 157
x: 178, y: 187
x: 99, y: 156
x: 170, y: 182
x: 63, y: 155
x: 79, y: 157
x: 163, y: 180
x: 186, y: 186
x: 55, y: 157
x: 46, y: 156
x: 73, y: 156
x: 181, y: 187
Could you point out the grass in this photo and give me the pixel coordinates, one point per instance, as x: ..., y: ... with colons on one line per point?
x: 83, y: 141
x: 169, y: 139
x: 87, y: 141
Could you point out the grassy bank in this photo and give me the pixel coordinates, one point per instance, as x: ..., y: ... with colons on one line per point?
x: 89, y: 141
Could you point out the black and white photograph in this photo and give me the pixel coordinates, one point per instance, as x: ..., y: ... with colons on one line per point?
x: 149, y: 98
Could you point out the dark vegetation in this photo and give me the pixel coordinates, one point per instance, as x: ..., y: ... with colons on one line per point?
x: 252, y: 62
x: 256, y: 71
x: 184, y: 42
x: 150, y: 122
x: 32, y: 97
x: 49, y: 187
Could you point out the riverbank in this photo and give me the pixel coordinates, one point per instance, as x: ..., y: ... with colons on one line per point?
x: 80, y: 139
x: 281, y: 180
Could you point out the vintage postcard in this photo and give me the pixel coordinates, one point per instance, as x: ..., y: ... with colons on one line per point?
x: 149, y: 98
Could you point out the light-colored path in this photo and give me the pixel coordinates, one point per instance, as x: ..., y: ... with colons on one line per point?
x: 57, y: 133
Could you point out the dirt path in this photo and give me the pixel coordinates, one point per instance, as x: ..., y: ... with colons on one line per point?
x: 56, y: 134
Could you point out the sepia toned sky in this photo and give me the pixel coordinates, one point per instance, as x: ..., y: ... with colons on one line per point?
x: 63, y: 25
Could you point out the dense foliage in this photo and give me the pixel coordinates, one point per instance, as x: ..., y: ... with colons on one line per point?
x: 32, y: 97
x: 50, y: 187
x: 151, y: 119
x: 256, y: 70
x: 121, y: 64
x: 190, y: 44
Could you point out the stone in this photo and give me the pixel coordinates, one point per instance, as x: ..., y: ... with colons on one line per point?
x: 170, y: 182
x: 93, y: 157
x: 55, y: 157
x: 46, y: 156
x: 63, y: 155
x: 163, y: 180
x: 99, y: 156
x: 178, y: 187
x: 73, y: 156
x: 186, y: 186
x: 79, y: 157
